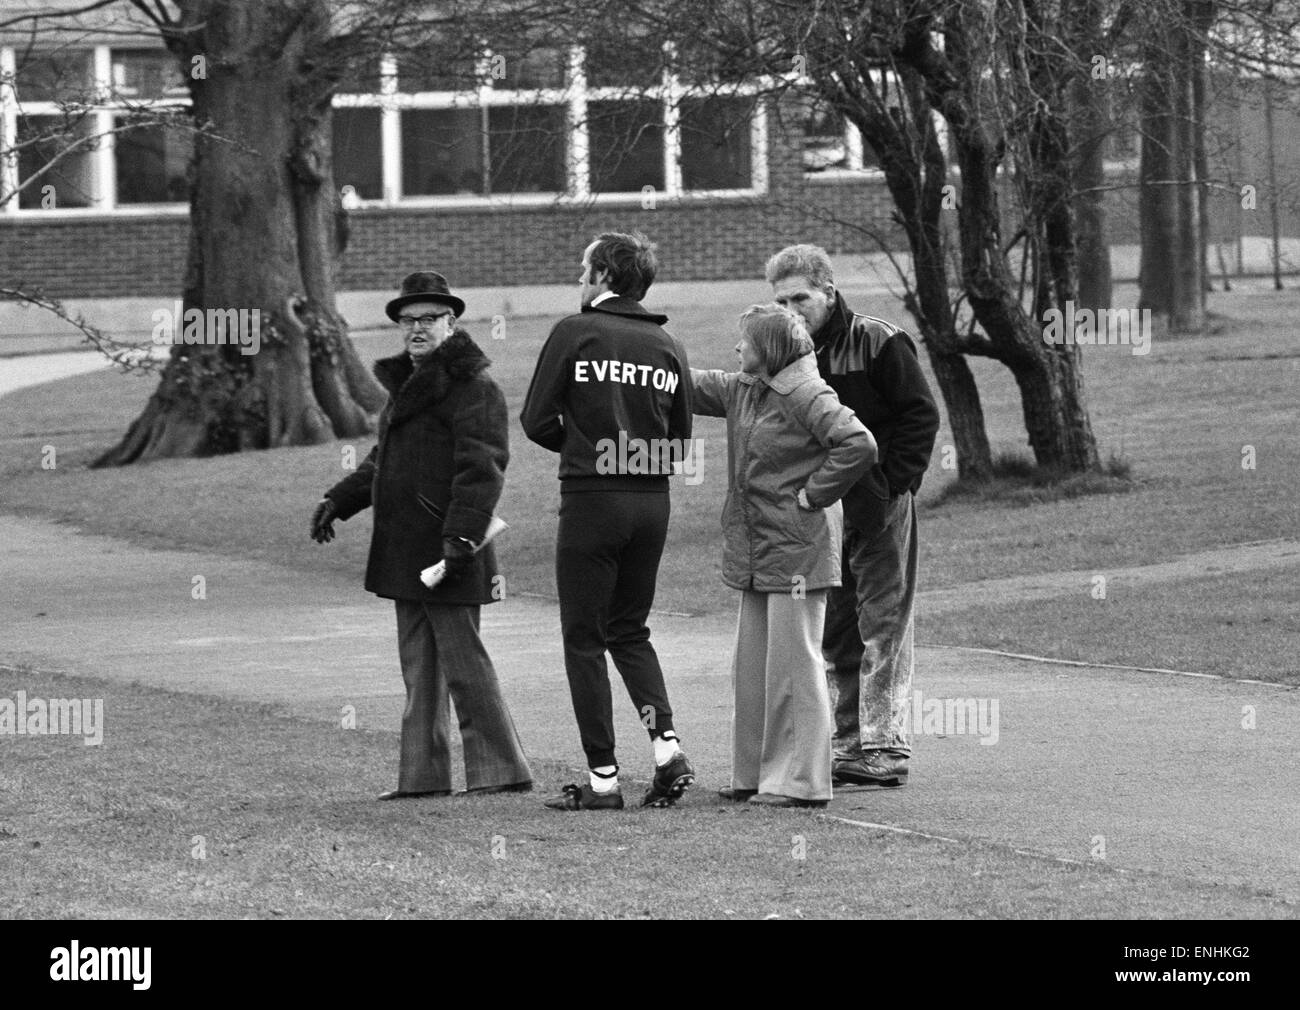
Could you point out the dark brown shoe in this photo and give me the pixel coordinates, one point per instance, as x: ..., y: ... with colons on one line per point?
x: 736, y: 795
x: 873, y: 768
x: 585, y: 798
x: 670, y: 781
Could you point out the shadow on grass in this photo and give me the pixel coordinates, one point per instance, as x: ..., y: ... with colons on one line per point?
x: 1018, y: 480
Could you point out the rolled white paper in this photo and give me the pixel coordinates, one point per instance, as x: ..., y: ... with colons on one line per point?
x: 436, y: 572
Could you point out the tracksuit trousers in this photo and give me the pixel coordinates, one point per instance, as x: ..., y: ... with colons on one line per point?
x: 606, y: 564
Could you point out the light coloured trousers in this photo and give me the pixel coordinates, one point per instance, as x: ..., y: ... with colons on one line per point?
x: 443, y: 659
x: 781, y: 722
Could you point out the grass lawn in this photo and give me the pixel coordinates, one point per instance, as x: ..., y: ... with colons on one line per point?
x: 158, y: 822
x: 1235, y: 626
x: 1181, y: 417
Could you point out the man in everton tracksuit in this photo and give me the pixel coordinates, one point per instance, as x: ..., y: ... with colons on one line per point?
x: 611, y: 395
x: 873, y: 367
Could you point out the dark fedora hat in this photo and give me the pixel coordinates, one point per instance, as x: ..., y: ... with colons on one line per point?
x: 424, y: 286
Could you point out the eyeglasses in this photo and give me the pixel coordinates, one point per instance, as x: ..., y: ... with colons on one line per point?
x: 423, y: 322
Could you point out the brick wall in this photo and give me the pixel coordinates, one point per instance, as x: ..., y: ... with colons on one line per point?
x: 95, y: 257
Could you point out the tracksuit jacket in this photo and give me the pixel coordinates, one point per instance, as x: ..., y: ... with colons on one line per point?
x: 611, y: 385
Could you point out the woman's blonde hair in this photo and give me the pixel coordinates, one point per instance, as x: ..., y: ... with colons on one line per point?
x: 777, y: 335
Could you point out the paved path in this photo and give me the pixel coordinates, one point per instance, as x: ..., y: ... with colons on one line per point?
x: 1159, y: 766
x: 19, y: 373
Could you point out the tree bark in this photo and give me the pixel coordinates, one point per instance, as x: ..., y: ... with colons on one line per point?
x: 264, y: 239
x: 915, y: 167
x: 1090, y: 121
x: 1172, y: 192
x: 1157, y: 210
x: 1049, y: 377
x: 1188, y: 311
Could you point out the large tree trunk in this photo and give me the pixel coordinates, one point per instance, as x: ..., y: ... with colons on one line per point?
x: 1157, y: 206
x: 1050, y: 183
x: 264, y: 238
x: 926, y: 236
x: 1200, y: 85
x: 915, y: 168
x: 1049, y: 376
x: 1171, y: 195
x: 1090, y: 120
x: 961, y: 398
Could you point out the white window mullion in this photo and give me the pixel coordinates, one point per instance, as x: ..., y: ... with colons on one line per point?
x: 672, y: 104
x: 853, y: 144
x: 390, y: 131
x: 758, y: 147
x: 8, y: 132
x: 105, y: 162
x: 484, y: 95
x: 390, y: 136
x: 578, y: 155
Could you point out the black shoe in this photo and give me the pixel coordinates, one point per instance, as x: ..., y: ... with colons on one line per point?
x: 873, y: 768
x: 397, y: 794
x: 775, y: 800
x: 585, y: 798
x: 513, y: 787
x: 670, y: 781
x: 736, y: 795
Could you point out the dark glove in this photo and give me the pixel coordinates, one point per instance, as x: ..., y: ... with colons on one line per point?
x: 459, y: 556
x: 322, y: 522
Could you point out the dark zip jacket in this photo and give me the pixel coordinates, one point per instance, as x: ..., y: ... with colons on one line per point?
x: 612, y: 395
x: 874, y: 369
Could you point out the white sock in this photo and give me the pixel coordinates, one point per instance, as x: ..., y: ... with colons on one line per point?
x: 604, y: 779
x: 666, y: 747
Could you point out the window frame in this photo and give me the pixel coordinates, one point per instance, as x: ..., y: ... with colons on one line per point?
x: 855, y: 146
x: 101, y: 115
x: 391, y: 102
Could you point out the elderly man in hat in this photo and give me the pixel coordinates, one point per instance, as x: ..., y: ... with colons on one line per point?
x: 434, y: 479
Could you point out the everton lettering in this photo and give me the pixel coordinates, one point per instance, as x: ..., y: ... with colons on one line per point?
x: 626, y: 372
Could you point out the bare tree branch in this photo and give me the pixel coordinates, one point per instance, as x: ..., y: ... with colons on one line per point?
x: 126, y: 357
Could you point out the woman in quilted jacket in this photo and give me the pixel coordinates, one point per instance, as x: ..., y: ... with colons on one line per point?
x: 793, y: 450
